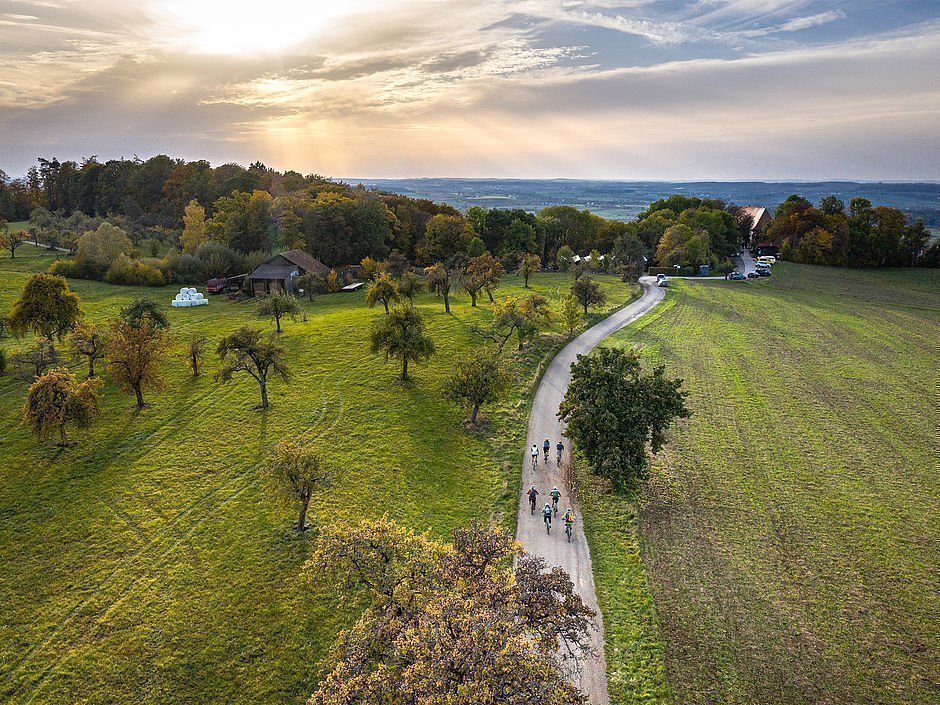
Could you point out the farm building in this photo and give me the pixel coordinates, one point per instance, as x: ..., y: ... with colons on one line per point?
x: 280, y: 272
x: 760, y: 219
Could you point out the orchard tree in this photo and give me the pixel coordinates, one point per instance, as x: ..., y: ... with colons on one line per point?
x: 56, y: 399
x: 476, y: 620
x: 144, y: 309
x: 518, y: 316
x: 529, y: 265
x: 369, y: 269
x: 296, y: 471
x: 441, y: 279
x: 195, y: 352
x: 401, y: 336
x: 135, y: 355
x: 46, y: 307
x: 382, y: 290
x: 482, y: 272
x: 36, y: 359
x: 310, y: 284
x: 246, y: 350
x: 479, y: 378
x: 614, y: 410
x: 571, y: 313
x: 588, y: 292
x: 10, y: 239
x: 194, y: 227
x: 278, y: 305
x: 90, y: 340
x: 410, y: 285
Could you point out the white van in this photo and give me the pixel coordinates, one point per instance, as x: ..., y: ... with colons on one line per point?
x: 767, y: 259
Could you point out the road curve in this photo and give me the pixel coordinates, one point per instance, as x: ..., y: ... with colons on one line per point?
x: 575, y: 557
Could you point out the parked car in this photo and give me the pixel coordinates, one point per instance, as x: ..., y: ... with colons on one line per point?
x: 767, y: 259
x: 736, y: 275
x: 752, y: 275
x: 763, y: 272
x: 661, y: 280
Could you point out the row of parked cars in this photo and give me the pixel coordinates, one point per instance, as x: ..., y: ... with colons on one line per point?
x: 763, y: 264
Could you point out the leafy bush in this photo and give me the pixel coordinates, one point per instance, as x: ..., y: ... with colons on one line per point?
x: 125, y: 270
x: 219, y: 260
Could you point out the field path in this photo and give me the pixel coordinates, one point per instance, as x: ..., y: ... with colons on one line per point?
x: 575, y: 557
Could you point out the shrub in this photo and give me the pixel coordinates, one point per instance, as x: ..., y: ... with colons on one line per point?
x: 219, y: 260
x: 181, y: 268
x: 125, y: 270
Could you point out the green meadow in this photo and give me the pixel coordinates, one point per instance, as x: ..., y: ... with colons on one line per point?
x: 148, y: 561
x: 784, y: 549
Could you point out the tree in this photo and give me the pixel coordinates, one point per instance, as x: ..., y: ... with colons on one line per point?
x: 369, y: 269
x: 46, y: 307
x: 98, y: 249
x: 144, y: 309
x: 519, y: 316
x: 564, y: 258
x: 277, y: 305
x: 295, y: 472
x: 382, y: 290
x: 195, y: 351
x: 11, y: 239
x: 482, y: 272
x: 310, y: 284
x: 36, y: 359
x: 410, y: 285
x: 476, y: 620
x: 613, y: 411
x: 401, y: 336
x: 588, y: 292
x: 194, y: 227
x: 571, y: 313
x: 89, y: 340
x: 135, y: 354
x: 530, y: 265
x: 441, y: 279
x: 247, y: 351
x: 628, y: 257
x: 478, y: 378
x: 445, y: 237
x: 476, y: 247
x: 56, y: 399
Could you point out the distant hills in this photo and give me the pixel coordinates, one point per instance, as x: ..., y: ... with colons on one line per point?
x: 623, y: 200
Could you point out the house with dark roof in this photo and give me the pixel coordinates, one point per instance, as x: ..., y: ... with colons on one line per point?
x: 280, y: 272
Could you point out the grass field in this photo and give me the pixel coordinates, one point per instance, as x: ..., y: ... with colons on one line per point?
x: 790, y: 531
x: 147, y: 562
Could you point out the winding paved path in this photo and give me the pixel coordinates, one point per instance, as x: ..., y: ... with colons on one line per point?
x: 575, y: 557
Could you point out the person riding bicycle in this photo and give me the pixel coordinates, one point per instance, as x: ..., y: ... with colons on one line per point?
x: 569, y: 517
x: 559, y: 449
x: 533, y: 493
x: 556, y: 495
x: 547, y: 514
x: 546, y: 446
x: 535, y: 454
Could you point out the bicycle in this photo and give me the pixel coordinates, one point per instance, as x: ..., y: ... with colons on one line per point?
x: 548, y: 523
x: 558, y: 457
x: 568, y: 530
x: 532, y: 505
x: 555, y: 506
x: 535, y: 461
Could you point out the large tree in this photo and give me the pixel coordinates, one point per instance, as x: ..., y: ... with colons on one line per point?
x: 89, y: 340
x: 55, y: 399
x: 145, y: 309
x: 588, y: 292
x: 135, y: 356
x: 516, y: 315
x: 382, y: 290
x: 401, y: 336
x: 529, y: 265
x: 46, y: 306
x: 478, y: 378
x: 278, y: 305
x: 478, y: 620
x: 614, y: 410
x: 247, y: 350
x: 629, y: 258
x: 441, y: 279
x: 296, y: 471
x: 11, y: 239
x: 482, y: 272
x: 194, y: 227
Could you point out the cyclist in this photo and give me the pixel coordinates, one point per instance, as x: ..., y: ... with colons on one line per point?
x: 547, y: 517
x: 569, y: 522
x: 535, y: 455
x: 556, y: 495
x: 559, y: 449
x: 546, y: 446
x: 533, y: 493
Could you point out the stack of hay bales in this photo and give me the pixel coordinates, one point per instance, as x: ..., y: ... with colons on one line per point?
x: 188, y: 296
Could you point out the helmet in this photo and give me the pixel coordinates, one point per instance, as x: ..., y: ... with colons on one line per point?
x: 554, y: 488
x: 568, y: 510
x: 532, y: 488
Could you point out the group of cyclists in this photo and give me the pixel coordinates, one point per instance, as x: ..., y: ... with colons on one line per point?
x: 550, y: 510
x: 546, y: 447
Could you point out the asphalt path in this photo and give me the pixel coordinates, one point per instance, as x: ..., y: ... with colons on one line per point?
x: 574, y: 557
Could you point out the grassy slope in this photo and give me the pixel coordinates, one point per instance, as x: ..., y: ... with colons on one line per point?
x: 789, y: 531
x: 146, y: 563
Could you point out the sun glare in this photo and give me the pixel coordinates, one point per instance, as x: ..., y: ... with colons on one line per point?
x: 246, y: 26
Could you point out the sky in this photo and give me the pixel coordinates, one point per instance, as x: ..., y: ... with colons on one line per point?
x: 609, y: 89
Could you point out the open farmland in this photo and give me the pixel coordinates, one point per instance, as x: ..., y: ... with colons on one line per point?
x: 790, y: 530
x: 147, y: 563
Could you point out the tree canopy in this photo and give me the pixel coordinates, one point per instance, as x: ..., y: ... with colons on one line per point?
x: 56, y: 399
x: 401, y: 336
x: 247, y: 350
x: 46, y: 306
